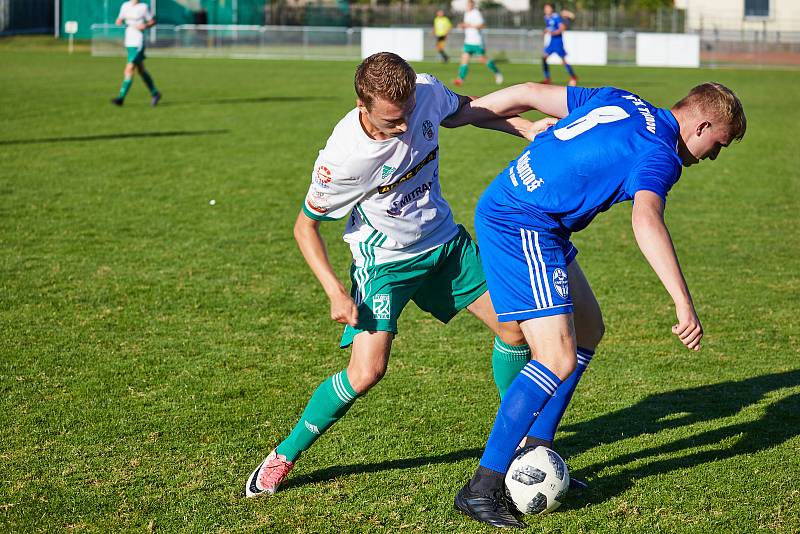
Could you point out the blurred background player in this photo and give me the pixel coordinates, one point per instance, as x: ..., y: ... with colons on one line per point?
x: 473, y: 44
x: 555, y: 26
x: 380, y: 171
x: 137, y: 17
x: 611, y: 146
x: 441, y: 27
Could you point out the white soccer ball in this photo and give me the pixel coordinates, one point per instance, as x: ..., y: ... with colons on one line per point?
x: 537, y: 480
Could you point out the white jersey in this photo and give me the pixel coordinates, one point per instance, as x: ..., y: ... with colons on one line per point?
x: 473, y: 36
x: 133, y: 15
x: 389, y: 189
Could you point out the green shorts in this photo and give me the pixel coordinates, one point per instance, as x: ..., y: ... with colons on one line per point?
x: 442, y: 282
x: 135, y: 54
x: 474, y: 50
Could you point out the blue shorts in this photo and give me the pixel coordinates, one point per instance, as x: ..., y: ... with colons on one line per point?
x: 556, y: 46
x: 525, y: 268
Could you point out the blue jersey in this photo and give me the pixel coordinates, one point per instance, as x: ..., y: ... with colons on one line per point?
x: 610, y: 145
x: 552, y: 23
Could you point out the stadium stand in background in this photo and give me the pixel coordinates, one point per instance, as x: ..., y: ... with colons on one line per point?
x: 731, y: 32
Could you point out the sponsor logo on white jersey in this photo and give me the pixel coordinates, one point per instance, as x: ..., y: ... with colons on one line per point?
x: 387, y: 172
x: 418, y: 192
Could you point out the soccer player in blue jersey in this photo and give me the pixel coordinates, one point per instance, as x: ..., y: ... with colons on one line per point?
x: 609, y: 146
x: 554, y: 32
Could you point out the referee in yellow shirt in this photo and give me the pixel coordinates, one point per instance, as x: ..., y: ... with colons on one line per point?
x: 441, y: 27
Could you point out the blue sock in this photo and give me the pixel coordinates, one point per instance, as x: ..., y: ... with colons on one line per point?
x: 544, y: 427
x: 546, y: 68
x: 527, y: 394
x: 569, y: 69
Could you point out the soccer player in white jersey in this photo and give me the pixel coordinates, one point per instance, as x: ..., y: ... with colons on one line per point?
x: 473, y: 44
x: 136, y: 17
x: 380, y: 170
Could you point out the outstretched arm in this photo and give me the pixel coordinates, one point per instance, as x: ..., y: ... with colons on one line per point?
x: 515, y: 125
x: 306, y: 233
x: 549, y: 99
x: 655, y: 243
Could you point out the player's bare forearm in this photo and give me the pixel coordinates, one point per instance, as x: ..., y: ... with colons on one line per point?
x: 655, y: 242
x: 652, y: 236
x: 510, y: 101
x: 312, y: 246
x: 309, y: 240
x: 518, y: 126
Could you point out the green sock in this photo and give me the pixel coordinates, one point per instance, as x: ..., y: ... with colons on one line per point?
x: 492, y: 66
x: 148, y: 80
x: 126, y: 86
x: 507, y: 362
x: 462, y: 71
x: 328, y: 404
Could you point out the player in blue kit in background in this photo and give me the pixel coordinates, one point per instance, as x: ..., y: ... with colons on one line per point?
x: 610, y: 146
x: 555, y: 26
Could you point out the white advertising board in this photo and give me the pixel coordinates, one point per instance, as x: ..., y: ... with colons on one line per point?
x: 405, y: 42
x: 667, y: 50
x: 583, y: 48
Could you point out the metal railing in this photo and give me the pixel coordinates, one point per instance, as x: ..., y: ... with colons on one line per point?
x: 337, y: 43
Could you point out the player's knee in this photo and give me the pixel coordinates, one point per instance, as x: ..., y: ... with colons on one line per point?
x: 562, y: 365
x: 593, y: 333
x: 510, y: 334
x: 363, y: 378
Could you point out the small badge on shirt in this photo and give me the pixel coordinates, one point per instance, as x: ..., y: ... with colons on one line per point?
x: 427, y: 130
x: 387, y: 172
x: 324, y: 174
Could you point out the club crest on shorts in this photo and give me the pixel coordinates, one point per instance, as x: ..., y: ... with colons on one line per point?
x: 427, y: 130
x: 382, y: 306
x: 560, y: 282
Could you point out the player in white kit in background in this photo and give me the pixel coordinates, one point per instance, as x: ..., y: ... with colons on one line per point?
x: 473, y: 44
x: 136, y: 17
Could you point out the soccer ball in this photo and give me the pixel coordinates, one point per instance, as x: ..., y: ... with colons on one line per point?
x: 537, y: 480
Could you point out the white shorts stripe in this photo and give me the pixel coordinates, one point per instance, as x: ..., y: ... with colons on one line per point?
x: 535, y: 309
x: 536, y: 269
x: 530, y: 267
x: 543, y: 265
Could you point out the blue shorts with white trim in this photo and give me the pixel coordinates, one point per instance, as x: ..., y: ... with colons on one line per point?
x: 556, y: 46
x: 525, y: 268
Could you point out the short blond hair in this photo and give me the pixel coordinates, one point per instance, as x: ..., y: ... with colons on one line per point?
x: 721, y: 102
x: 387, y: 76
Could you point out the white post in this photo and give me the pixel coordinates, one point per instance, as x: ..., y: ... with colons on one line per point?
x: 71, y: 28
x: 57, y: 24
x: 153, y: 36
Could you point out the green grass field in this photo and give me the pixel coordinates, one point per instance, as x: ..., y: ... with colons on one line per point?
x: 154, y: 348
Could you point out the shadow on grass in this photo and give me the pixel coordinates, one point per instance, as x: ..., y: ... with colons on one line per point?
x: 779, y: 423
x: 110, y: 137
x: 407, y: 463
x: 248, y: 100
